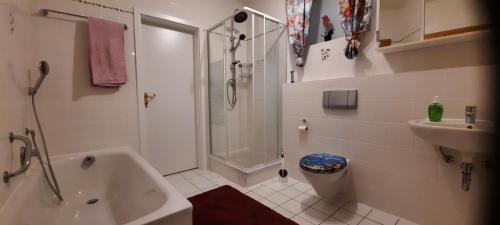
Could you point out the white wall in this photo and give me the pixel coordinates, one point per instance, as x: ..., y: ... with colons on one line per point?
x: 15, y: 69
x: 76, y: 116
x: 392, y: 169
x: 441, y: 15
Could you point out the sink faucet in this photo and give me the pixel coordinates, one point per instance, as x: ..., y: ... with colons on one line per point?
x: 470, y: 114
x: 25, y: 154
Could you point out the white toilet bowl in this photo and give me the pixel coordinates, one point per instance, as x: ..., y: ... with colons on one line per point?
x: 327, y: 185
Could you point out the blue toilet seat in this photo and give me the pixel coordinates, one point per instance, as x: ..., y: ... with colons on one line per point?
x: 323, y: 163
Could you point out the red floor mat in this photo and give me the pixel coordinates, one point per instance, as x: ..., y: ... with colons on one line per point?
x: 227, y: 206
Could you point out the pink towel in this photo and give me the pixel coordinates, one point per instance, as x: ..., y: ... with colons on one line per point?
x: 106, y: 53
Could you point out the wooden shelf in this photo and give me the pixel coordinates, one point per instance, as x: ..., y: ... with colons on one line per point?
x: 452, y: 39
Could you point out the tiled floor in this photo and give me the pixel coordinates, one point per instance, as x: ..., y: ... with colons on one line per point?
x: 294, y: 200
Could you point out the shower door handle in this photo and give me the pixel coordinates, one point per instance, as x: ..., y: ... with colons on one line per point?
x: 148, y: 98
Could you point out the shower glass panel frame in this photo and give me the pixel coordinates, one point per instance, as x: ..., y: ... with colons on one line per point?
x: 249, y: 135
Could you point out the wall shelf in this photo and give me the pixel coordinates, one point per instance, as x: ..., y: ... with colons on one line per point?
x: 457, y: 38
x: 404, y: 25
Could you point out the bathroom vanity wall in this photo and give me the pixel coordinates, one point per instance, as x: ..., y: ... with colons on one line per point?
x: 391, y: 169
x: 76, y: 117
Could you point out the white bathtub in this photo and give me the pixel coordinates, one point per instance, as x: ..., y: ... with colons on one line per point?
x: 128, y: 189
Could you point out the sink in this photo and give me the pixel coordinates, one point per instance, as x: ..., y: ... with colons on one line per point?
x: 455, y: 134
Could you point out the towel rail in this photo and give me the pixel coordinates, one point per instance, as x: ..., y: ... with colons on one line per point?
x: 45, y: 12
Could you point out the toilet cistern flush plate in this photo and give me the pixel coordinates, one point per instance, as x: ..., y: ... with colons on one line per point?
x: 469, y: 139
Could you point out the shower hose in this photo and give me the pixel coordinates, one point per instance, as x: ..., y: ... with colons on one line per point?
x: 53, y: 185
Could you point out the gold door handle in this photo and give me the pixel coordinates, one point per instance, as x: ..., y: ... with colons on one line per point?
x: 148, y: 98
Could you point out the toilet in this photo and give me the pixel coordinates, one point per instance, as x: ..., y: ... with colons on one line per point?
x: 325, y: 172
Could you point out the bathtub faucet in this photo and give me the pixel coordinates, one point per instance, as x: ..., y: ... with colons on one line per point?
x: 25, y: 156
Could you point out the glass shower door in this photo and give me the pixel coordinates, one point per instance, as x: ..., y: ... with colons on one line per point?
x: 217, y: 95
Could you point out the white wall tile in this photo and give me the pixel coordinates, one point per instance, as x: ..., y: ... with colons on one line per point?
x: 76, y: 116
x: 376, y: 136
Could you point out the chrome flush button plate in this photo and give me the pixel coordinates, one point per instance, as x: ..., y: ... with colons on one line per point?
x: 340, y: 99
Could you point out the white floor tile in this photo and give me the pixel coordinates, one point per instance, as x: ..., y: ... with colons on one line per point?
x: 189, y: 174
x: 185, y: 187
x: 294, y: 206
x: 278, y: 198
x: 382, y: 217
x: 333, y: 221
x: 301, y: 221
x: 358, y: 208
x: 193, y: 194
x: 367, y: 221
x: 340, y: 200
x: 291, y: 199
x: 284, y: 212
x: 202, y: 172
x: 277, y: 186
x: 347, y: 217
x: 405, y: 222
x: 290, y: 182
x: 312, y: 192
x: 204, y: 185
x: 253, y: 187
x: 240, y: 188
x: 211, y: 175
x: 186, y: 191
x: 252, y: 194
x: 290, y: 192
x: 174, y: 177
x: 325, y: 207
x: 264, y: 191
x: 307, y: 199
x: 198, y: 179
x: 267, y: 203
x: 313, y: 216
x: 209, y: 188
x: 301, y: 187
x: 267, y: 182
x: 221, y: 181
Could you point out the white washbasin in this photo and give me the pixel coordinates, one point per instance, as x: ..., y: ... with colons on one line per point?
x: 455, y: 134
x: 128, y: 189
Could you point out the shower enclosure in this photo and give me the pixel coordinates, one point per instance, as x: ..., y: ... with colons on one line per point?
x: 247, y: 67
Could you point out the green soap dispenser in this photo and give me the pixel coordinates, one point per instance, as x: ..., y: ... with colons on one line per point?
x: 435, y: 110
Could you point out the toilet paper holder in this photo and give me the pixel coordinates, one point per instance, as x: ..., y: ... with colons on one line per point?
x: 305, y: 125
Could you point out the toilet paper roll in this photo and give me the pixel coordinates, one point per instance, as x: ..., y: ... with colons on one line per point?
x: 302, y: 128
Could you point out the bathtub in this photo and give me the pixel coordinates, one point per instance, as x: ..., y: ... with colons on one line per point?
x: 120, y: 187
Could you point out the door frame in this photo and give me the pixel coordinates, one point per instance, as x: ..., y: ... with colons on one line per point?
x: 177, y: 24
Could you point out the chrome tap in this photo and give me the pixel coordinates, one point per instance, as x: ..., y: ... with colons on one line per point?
x: 25, y: 155
x: 470, y: 114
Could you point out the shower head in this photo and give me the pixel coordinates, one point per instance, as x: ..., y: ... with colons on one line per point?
x: 242, y: 37
x: 240, y: 17
x: 44, y: 69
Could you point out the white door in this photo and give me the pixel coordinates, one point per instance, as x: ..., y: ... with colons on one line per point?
x: 168, y: 132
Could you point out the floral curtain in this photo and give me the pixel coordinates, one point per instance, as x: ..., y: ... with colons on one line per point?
x: 298, y: 16
x: 355, y: 18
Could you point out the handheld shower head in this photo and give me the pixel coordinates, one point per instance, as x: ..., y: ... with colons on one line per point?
x: 44, y: 69
x: 240, y: 38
